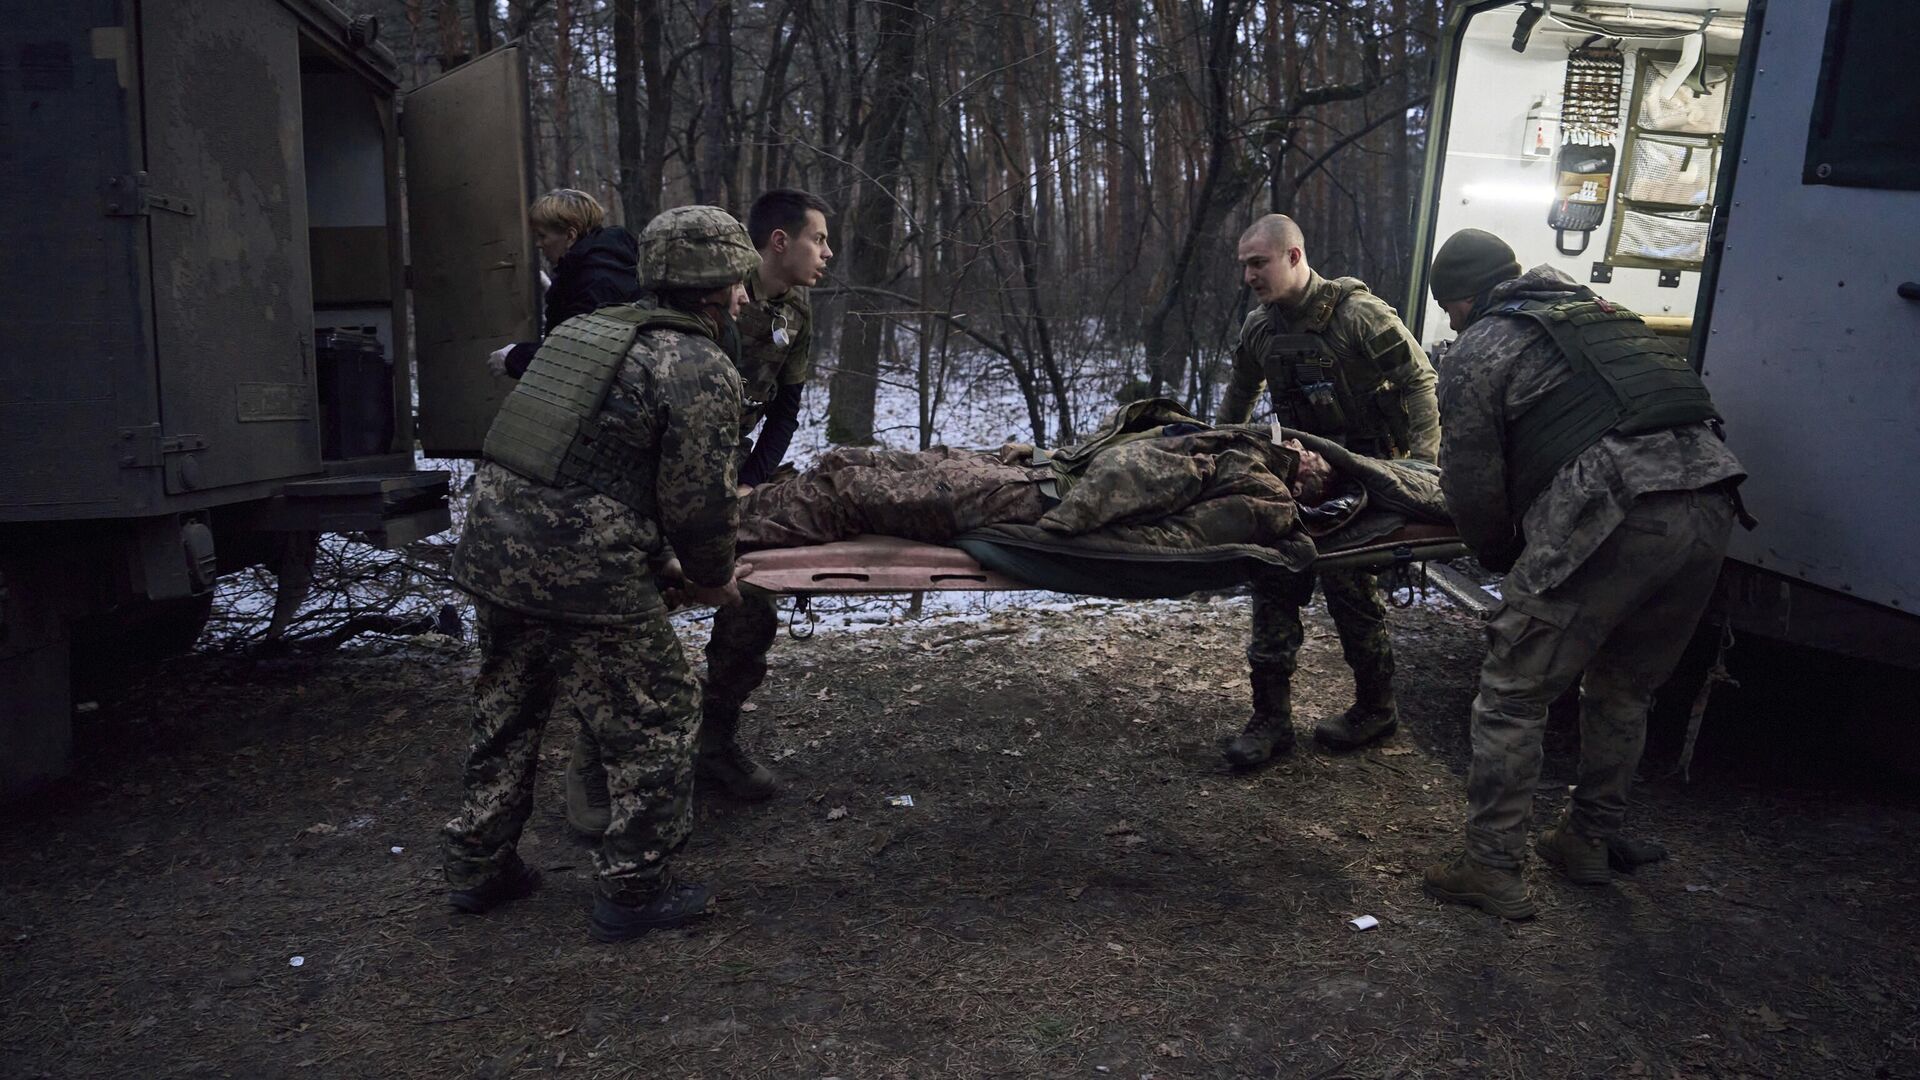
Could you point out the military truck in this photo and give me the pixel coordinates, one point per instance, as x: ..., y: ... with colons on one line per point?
x: 214, y: 315
x: 1758, y: 194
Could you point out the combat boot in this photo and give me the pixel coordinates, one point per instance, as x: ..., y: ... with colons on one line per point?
x: 1575, y: 854
x: 1373, y: 716
x: 676, y: 905
x: 1626, y: 854
x: 589, y: 808
x: 517, y: 881
x: 1462, y: 880
x: 719, y: 758
x: 1269, y: 733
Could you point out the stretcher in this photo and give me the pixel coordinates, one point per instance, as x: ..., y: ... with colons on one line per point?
x: 993, y: 560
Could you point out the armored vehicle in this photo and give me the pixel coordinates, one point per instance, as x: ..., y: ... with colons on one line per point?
x: 213, y: 316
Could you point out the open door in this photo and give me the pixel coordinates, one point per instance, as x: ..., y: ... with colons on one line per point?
x: 225, y: 205
x: 470, y: 251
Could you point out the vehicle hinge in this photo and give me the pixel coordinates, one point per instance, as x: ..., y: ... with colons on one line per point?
x: 129, y: 196
x: 145, y: 447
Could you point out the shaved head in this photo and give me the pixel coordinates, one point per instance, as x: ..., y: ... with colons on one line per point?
x: 1278, y: 230
x: 1273, y: 261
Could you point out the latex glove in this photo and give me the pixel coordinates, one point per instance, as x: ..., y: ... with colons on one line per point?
x: 497, y: 360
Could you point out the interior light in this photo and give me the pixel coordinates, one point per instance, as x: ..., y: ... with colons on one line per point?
x: 1509, y: 192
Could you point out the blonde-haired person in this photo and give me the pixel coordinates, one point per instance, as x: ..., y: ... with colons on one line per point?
x: 594, y: 265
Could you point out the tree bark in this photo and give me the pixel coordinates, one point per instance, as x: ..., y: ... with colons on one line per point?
x: 626, y: 108
x: 719, y: 144
x: 658, y: 76
x: 453, y: 40
x: 563, y: 93
x: 483, y: 42
x: 1218, y: 192
x: 870, y: 232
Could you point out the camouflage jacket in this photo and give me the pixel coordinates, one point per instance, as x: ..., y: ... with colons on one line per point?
x: 1383, y: 366
x: 1502, y: 364
x: 575, y: 555
x: 1176, y: 487
x: 766, y: 364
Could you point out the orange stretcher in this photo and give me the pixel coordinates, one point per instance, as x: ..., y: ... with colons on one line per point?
x: 872, y: 564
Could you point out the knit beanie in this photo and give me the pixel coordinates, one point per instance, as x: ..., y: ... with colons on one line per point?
x: 1469, y: 263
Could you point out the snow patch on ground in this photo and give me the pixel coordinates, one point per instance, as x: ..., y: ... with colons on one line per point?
x: 982, y: 408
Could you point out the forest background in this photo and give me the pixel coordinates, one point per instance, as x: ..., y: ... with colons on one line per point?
x: 1039, y: 194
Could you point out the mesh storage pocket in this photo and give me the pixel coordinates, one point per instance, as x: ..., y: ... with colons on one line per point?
x: 1678, y: 238
x: 1677, y: 172
x: 1705, y: 114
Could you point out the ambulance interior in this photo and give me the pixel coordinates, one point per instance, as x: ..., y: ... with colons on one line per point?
x: 1595, y: 147
x: 360, y: 363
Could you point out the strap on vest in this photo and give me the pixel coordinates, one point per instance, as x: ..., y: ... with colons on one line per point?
x: 1625, y: 379
x: 549, y: 431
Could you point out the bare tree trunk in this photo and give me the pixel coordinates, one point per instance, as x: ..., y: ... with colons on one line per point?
x: 563, y: 93
x: 659, y: 79
x: 870, y: 233
x: 453, y: 40
x: 1133, y: 160
x: 482, y: 27
x: 626, y: 108
x: 1043, y: 336
x: 1218, y: 193
x: 713, y: 180
x: 765, y: 162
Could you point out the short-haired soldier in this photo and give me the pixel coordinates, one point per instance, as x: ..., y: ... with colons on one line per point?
x: 1337, y: 363
x: 789, y: 230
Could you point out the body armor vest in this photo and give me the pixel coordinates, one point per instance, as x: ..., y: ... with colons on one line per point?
x: 548, y: 430
x: 1625, y: 379
x: 1314, y: 392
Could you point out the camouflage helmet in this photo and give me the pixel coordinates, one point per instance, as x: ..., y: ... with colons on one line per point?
x: 695, y: 247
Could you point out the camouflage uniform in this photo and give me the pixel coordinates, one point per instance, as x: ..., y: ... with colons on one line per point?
x: 1611, y: 566
x: 572, y: 622
x: 776, y: 351
x: 1384, y: 388
x: 931, y: 496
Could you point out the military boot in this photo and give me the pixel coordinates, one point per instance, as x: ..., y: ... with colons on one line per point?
x: 1579, y: 856
x: 1269, y: 733
x: 719, y: 758
x: 1462, y: 880
x: 589, y: 809
x: 515, y: 882
x: 676, y: 905
x: 1373, y: 716
x: 1626, y: 854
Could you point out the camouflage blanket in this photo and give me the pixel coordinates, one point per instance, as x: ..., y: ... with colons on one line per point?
x: 1147, y: 486
x: 1152, y: 483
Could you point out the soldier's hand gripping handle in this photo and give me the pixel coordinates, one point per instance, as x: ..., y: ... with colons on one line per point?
x: 727, y: 595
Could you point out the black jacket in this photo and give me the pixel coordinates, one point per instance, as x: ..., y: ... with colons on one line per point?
x: 601, y: 268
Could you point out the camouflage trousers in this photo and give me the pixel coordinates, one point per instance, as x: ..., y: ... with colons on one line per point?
x: 927, y: 495
x: 736, y: 662
x: 629, y: 685
x: 1359, y: 616
x: 1618, y: 624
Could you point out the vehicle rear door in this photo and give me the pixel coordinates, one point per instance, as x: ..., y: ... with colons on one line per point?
x: 225, y: 204
x: 472, y: 260
x: 1810, y: 354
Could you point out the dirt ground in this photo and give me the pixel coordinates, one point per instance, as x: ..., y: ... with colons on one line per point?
x: 1079, y: 889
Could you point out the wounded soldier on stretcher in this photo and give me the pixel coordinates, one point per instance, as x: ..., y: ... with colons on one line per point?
x: 1152, y: 482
